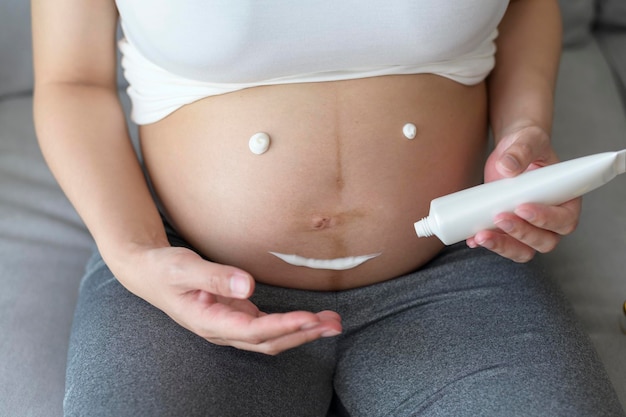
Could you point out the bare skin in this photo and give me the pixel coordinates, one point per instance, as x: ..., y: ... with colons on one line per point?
x: 339, y: 180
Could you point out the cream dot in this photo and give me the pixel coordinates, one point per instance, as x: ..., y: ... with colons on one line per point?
x: 259, y: 143
x: 410, y: 131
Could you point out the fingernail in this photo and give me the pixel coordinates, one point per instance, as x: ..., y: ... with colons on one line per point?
x: 505, y: 225
x: 525, y: 214
x: 239, y: 285
x: 509, y: 163
x: 331, y: 333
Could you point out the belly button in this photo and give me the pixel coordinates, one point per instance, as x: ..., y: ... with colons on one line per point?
x: 322, y: 222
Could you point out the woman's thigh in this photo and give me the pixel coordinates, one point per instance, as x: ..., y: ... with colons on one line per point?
x: 472, y: 334
x: 127, y: 358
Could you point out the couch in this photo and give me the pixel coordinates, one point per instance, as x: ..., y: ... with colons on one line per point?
x: 44, y: 245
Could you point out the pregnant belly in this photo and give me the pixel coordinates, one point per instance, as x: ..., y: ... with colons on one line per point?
x: 331, y: 202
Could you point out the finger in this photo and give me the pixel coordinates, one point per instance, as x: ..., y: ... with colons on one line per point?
x: 289, y: 341
x: 274, y: 326
x: 224, y: 322
x: 189, y: 271
x: 538, y: 239
x: 328, y: 315
x: 505, y: 246
x: 562, y: 219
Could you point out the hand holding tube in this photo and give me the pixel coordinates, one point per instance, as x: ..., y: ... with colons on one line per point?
x: 464, y: 214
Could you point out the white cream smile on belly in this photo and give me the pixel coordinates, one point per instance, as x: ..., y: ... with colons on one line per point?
x: 338, y: 264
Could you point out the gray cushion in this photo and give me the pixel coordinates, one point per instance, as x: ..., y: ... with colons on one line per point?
x: 577, y: 17
x: 590, y: 264
x: 612, y: 13
x: 613, y: 45
x: 16, y: 74
x: 43, y: 250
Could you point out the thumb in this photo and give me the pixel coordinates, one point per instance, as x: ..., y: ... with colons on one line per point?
x: 524, y: 149
x: 217, y: 279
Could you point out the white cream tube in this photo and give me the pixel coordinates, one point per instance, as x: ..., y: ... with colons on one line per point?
x: 458, y: 216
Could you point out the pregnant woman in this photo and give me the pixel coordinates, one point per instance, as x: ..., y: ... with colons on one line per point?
x: 272, y: 268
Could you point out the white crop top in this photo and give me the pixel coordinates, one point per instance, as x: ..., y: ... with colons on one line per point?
x: 174, y: 53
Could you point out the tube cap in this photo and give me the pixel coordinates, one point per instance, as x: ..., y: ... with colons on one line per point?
x: 423, y: 228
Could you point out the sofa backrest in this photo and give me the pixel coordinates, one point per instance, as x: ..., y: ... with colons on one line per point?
x: 16, y: 58
x: 581, y: 16
x: 612, y: 13
x: 578, y: 16
x: 16, y: 74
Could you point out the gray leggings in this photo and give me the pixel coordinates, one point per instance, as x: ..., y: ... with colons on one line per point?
x: 470, y: 334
